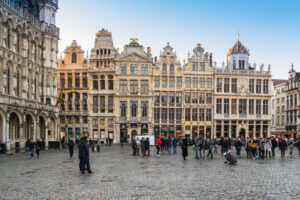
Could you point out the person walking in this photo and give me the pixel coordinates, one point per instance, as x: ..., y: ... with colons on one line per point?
x: 215, y: 146
x: 282, y: 146
x: 31, y: 147
x: 157, y: 145
x: 203, y: 147
x: 210, y: 145
x: 174, y: 143
x: 84, y: 155
x: 71, y: 147
x: 274, y: 145
x: 37, y: 148
x: 184, y: 148
x: 238, y: 146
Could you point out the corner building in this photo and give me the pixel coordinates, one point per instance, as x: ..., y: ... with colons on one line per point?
x: 28, y: 63
x: 242, y: 97
x: 133, y: 92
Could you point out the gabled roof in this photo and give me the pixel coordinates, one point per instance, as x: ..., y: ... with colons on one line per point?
x: 278, y: 81
x: 238, y: 48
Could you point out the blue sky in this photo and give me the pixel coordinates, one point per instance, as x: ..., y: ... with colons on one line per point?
x: 269, y: 28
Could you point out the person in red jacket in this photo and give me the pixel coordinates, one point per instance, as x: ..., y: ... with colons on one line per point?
x: 157, y: 144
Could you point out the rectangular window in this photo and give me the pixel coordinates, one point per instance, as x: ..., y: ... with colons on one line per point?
x: 164, y: 114
x: 123, y: 86
x: 95, y: 82
x: 219, y: 106
x: 251, y: 85
x: 172, y: 82
x: 208, y: 98
x: 144, y: 69
x: 265, y: 107
x: 164, y: 97
x: 144, y: 87
x: 164, y: 83
x: 258, y: 86
x: 84, y: 101
x: 258, y: 106
x: 234, y: 64
x: 84, y: 80
x: 123, y: 69
x: 194, y: 97
x: 266, y: 87
x: 187, y: 97
x: 110, y: 104
x: 179, y: 82
x: 102, y: 82
x: 69, y: 80
x: 195, y: 82
x: 226, y: 85
x: 156, y: 114
x: 95, y: 104
x: 133, y: 106
x: 187, y: 82
x: 202, y: 66
x: 201, y: 114
x: 234, y: 85
x: 202, y: 83
x: 195, y: 66
x: 233, y: 106
x: 251, y: 106
x: 178, y: 97
x: 62, y: 80
x: 133, y: 69
x: 172, y: 114
x: 178, y: 114
x: 123, y: 108
x: 133, y: 87
x: 110, y: 82
x: 77, y: 101
x: 242, y: 106
x: 156, y: 97
x: 102, y: 104
x: 201, y: 98
x: 187, y: 114
x: 208, y: 114
x: 226, y: 106
x: 157, y: 81
x: 172, y: 97
x: 241, y: 64
x: 219, y: 85
x: 77, y: 80
x: 70, y: 100
x: 208, y: 83
x: 144, y: 108
x: 194, y: 114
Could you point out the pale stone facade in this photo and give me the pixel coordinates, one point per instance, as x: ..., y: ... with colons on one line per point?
x: 28, y: 63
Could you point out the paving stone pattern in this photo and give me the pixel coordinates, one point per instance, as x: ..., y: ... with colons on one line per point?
x: 118, y: 175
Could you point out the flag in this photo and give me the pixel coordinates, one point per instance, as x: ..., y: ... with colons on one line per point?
x: 60, y: 97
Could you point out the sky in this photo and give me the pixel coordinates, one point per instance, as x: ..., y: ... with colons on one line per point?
x: 270, y: 29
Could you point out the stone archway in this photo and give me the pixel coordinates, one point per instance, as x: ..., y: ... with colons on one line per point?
x: 14, y: 127
x: 42, y: 129
x: 29, y: 127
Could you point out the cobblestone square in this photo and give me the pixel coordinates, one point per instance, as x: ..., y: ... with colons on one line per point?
x: 118, y: 175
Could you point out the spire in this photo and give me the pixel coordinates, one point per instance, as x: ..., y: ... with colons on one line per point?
x: 238, y: 35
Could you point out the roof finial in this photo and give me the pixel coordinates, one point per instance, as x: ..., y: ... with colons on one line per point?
x: 168, y: 43
x: 238, y: 35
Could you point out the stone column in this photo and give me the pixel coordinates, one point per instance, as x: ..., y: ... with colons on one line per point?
x: 46, y: 133
x: 21, y: 140
x: 254, y: 130
x: 35, y: 122
x: 222, y: 128
x: 261, y: 130
x: 73, y: 128
x: 7, y: 134
x: 4, y: 130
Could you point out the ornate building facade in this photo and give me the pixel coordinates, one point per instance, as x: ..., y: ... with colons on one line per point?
x: 133, y: 92
x: 198, y: 94
x: 28, y: 63
x: 167, y: 94
x: 242, y: 97
x: 72, y: 76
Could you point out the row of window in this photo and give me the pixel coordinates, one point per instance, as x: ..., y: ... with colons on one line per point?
x: 191, y: 114
x: 144, y: 69
x: 83, y: 80
x: 291, y: 101
x: 282, y: 120
x: 231, y: 106
x: 75, y: 119
x: 193, y: 82
x: 291, y: 117
x: 102, y: 107
x: 102, y: 82
x: 134, y: 89
x: 133, y: 108
x: 80, y: 103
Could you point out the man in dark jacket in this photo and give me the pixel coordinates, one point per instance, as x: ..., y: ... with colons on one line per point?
x: 231, y: 159
x: 84, y: 155
x: 147, y: 147
x: 238, y: 146
x: 31, y: 147
x: 184, y: 148
x: 274, y: 145
x: 71, y: 147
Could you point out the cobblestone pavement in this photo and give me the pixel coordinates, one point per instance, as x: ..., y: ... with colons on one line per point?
x: 118, y: 175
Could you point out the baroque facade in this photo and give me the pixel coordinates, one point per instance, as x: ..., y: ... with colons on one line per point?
x: 28, y: 63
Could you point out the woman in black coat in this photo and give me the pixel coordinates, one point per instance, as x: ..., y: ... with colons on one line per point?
x: 184, y: 148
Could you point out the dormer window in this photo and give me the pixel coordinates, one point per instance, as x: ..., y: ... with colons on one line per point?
x: 241, y: 64
x: 74, y: 58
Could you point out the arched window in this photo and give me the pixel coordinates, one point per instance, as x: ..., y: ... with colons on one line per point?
x: 171, y: 68
x: 102, y: 82
x: 74, y: 58
x: 8, y: 80
x: 18, y: 83
x: 164, y: 68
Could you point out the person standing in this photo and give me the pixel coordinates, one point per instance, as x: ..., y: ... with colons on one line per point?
x: 268, y: 147
x: 143, y: 146
x: 261, y: 148
x: 184, y: 148
x: 84, y: 155
x: 71, y: 147
x: 63, y: 142
x: 31, y: 147
x: 210, y: 145
x: 174, y: 143
x: 138, y: 143
x: 215, y: 146
x: 291, y: 145
x: 298, y: 145
x: 169, y: 144
x: 282, y: 146
x: 274, y: 145
x: 197, y: 147
x: 134, y: 146
x: 37, y: 148
x: 238, y: 146
x: 157, y: 145
x: 147, y: 147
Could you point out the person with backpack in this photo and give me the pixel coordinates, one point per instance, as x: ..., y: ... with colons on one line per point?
x: 71, y: 147
x: 157, y: 145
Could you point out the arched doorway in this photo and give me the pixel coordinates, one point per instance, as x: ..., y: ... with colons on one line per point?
x: 42, y: 127
x: 242, y: 133
x: 51, y: 131
x: 29, y: 127
x: 14, y: 127
x: 133, y: 134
